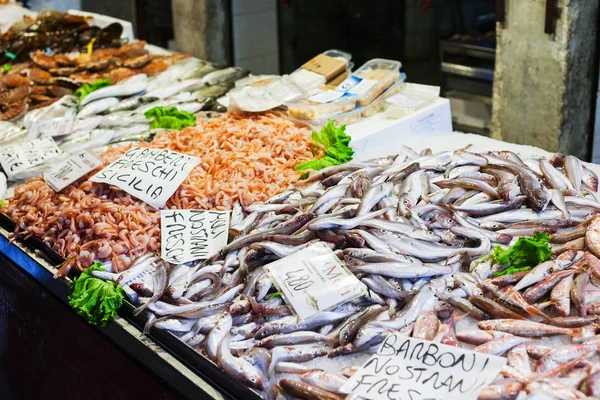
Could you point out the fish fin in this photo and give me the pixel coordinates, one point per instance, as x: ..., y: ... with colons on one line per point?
x: 585, y: 332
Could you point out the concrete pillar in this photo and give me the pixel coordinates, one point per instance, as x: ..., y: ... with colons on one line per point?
x: 543, y: 84
x: 202, y: 28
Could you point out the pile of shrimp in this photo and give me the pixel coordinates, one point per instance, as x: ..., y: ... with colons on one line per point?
x: 245, y: 159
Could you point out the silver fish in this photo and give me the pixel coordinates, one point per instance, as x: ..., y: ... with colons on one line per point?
x: 97, y: 107
x: 574, y: 170
x: 128, y: 87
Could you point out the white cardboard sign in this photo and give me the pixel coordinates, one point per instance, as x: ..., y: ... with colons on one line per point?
x: 68, y: 171
x: 151, y: 175
x: 314, y: 279
x: 22, y: 156
x: 409, y: 368
x: 189, y: 235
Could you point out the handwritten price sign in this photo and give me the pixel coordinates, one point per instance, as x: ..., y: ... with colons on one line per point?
x: 68, y: 171
x: 414, y: 369
x: 17, y: 158
x: 189, y: 235
x: 151, y: 175
x: 314, y: 279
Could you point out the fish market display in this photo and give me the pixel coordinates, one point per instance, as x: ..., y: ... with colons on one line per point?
x: 244, y: 159
x: 45, y: 79
x: 56, y: 31
x: 405, y: 226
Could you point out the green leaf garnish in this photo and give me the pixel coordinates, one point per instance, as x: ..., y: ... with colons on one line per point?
x: 276, y: 294
x: 170, y: 118
x: 510, y: 271
x: 94, y: 299
x: 526, y: 253
x: 91, y: 87
x: 336, y: 146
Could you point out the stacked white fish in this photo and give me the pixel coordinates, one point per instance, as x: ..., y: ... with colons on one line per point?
x: 405, y: 225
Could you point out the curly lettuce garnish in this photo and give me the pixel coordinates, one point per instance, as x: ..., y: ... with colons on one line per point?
x: 335, y: 141
x: 526, y: 253
x: 94, y: 299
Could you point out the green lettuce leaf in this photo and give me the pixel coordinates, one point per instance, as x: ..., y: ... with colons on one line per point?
x: 169, y: 118
x: 510, y: 271
x: 91, y: 87
x: 94, y: 299
x: 526, y: 253
x: 335, y: 141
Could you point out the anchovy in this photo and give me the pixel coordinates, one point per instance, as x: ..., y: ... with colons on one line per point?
x: 483, y: 209
x: 352, y: 325
x: 530, y: 186
x: 403, y: 270
x: 424, y: 300
x: 373, y: 196
x: 217, y: 334
x: 554, y: 176
x: 574, y: 170
x: 237, y: 367
x: 287, y: 339
x: 400, y: 227
x: 468, y: 183
x: 286, y: 228
x: 292, y: 324
x: 344, y: 223
x: 543, y: 270
x: 428, y: 251
x: 590, y: 179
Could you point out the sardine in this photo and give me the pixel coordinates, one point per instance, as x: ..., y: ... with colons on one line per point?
x: 238, y: 368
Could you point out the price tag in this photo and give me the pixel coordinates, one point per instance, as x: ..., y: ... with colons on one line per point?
x: 20, y: 157
x: 58, y: 126
x: 188, y: 235
x: 362, y: 87
x: 314, y: 280
x: 151, y: 175
x: 409, y: 368
x: 263, y: 98
x: 326, y: 96
x: 68, y: 171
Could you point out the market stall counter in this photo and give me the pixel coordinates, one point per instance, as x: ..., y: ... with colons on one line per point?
x: 49, y: 352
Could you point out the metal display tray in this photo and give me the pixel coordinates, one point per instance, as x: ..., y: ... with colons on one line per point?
x: 174, y: 364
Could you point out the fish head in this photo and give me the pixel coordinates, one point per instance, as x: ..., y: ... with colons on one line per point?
x: 492, y: 225
x: 404, y: 205
x: 426, y: 235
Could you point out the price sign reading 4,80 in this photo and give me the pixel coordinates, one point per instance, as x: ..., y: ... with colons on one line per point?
x: 298, y: 280
x: 314, y: 279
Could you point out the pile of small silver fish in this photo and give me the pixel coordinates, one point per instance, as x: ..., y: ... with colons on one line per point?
x: 407, y: 226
